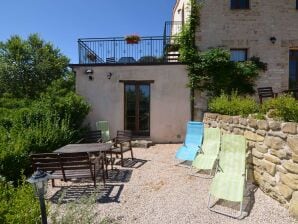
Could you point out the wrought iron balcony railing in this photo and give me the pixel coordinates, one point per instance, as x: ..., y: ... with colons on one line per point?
x: 117, y: 50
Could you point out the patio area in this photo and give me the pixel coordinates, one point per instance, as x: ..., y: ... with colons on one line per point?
x: 151, y: 189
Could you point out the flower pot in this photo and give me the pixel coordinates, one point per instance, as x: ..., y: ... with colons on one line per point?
x: 132, y: 41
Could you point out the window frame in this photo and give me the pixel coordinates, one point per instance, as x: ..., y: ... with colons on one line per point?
x: 240, y: 49
x: 236, y: 5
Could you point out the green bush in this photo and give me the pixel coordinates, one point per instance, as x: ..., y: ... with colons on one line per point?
x: 283, y: 107
x: 18, y: 205
x: 233, y: 105
x: 38, y: 126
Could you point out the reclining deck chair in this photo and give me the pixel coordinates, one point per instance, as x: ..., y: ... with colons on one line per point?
x: 206, y: 158
x: 230, y: 177
x: 103, y: 126
x: 193, y: 141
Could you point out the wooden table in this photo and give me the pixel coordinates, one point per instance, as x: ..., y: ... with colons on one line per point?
x: 90, y: 148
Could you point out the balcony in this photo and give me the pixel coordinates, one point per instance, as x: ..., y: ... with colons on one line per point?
x: 116, y: 50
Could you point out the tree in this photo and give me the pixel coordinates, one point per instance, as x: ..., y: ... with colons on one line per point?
x: 27, y: 67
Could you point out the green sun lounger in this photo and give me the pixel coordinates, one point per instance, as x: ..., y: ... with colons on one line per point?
x: 230, y: 178
x: 207, y: 156
x: 103, y: 126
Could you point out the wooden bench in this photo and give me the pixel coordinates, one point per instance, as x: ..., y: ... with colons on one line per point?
x: 67, y: 166
x: 265, y: 92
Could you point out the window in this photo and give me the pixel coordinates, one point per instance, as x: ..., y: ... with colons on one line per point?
x: 239, y: 4
x: 238, y: 55
x: 296, y: 4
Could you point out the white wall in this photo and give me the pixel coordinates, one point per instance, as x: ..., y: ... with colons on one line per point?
x: 170, y: 105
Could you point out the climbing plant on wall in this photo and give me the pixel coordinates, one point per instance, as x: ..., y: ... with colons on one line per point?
x: 212, y: 70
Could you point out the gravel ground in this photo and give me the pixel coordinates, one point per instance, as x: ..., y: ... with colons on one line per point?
x: 153, y: 190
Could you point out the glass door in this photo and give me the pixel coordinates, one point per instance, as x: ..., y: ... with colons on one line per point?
x: 293, y: 79
x: 137, y: 108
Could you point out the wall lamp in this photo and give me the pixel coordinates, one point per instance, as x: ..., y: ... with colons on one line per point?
x: 89, y: 71
x: 273, y: 40
x: 109, y: 75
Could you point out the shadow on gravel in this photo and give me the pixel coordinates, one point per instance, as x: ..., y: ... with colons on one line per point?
x: 119, y: 175
x: 102, y: 194
x: 132, y: 163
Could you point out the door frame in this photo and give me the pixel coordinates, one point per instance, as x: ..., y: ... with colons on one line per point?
x: 137, y: 82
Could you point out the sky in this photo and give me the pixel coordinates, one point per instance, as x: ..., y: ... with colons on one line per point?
x: 62, y: 22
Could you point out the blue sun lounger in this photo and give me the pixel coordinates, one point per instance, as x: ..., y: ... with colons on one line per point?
x: 193, y: 141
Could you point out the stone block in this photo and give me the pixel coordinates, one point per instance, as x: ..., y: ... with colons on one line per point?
x: 236, y: 120
x: 268, y: 166
x: 289, y: 179
x: 257, y: 177
x: 243, y: 121
x: 257, y: 154
x: 213, y: 124
x: 253, y: 136
x: 227, y: 119
x: 295, y: 157
x: 281, y: 169
x: 290, y: 166
x: 275, y: 125
x: 293, y: 144
x: 274, y: 142
x: 211, y: 116
x: 263, y: 125
x: 285, y: 191
x: 272, y: 159
x: 293, y: 208
x: 238, y: 131
x: 262, y: 148
x: 269, y: 179
x: 256, y: 161
x: 281, y: 153
x: 253, y: 123
x: 278, y: 134
x: 261, y: 132
x: 290, y: 128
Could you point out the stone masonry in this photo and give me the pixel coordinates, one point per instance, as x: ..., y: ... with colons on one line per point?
x: 272, y: 154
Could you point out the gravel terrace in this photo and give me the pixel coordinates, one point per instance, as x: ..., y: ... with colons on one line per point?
x: 154, y: 190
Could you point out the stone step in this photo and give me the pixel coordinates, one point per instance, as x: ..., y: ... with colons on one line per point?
x: 141, y: 143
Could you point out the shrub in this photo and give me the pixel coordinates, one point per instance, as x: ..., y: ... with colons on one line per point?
x: 233, y: 105
x: 283, y: 107
x: 18, y: 205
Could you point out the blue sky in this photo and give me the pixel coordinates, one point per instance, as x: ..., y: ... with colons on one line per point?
x: 62, y: 22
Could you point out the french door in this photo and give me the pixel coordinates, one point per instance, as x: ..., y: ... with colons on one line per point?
x: 137, y: 108
x: 293, y: 79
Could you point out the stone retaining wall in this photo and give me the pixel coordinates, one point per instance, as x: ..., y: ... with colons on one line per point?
x: 272, y: 154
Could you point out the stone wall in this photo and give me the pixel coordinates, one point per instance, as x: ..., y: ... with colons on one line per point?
x: 221, y: 26
x: 272, y: 154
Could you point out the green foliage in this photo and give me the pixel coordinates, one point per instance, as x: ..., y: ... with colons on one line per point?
x: 27, y: 67
x: 212, y: 71
x: 233, y: 105
x: 18, y: 205
x: 42, y: 125
x: 283, y: 107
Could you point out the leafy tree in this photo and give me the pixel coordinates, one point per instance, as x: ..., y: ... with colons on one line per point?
x: 27, y: 67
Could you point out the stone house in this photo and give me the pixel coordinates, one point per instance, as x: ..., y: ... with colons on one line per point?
x: 264, y: 29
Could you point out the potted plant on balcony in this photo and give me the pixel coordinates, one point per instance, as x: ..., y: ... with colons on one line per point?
x: 132, y: 39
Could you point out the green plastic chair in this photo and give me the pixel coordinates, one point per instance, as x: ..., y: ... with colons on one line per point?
x: 103, y: 126
x: 231, y: 174
x: 207, y: 156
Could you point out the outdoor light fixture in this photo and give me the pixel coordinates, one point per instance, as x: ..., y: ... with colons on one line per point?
x: 273, y: 40
x: 39, y: 180
x: 109, y: 76
x: 89, y: 71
